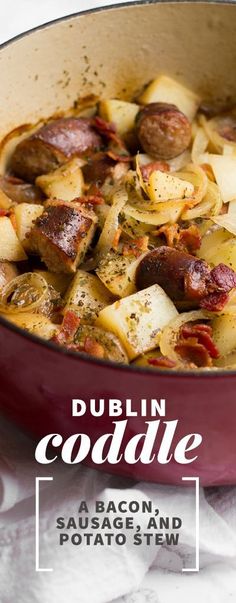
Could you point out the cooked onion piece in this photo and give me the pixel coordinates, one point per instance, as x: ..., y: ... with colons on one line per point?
x: 25, y: 293
x: 37, y: 324
x: 200, y: 144
x: 209, y: 206
x: 111, y: 224
x: 220, y: 130
x: 169, y: 211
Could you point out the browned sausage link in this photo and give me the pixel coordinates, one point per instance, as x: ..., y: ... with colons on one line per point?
x: 163, y: 131
x: 52, y: 145
x: 181, y: 275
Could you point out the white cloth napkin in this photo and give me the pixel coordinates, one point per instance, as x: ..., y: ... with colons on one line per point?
x: 95, y: 574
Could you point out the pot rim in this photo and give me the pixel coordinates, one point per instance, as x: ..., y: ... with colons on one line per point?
x: 84, y: 358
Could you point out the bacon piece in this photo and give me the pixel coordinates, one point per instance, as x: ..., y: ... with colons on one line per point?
x: 183, y: 239
x: 162, y: 362
x: 214, y: 302
x: 68, y: 328
x: 149, y: 168
x: 108, y: 130
x: 224, y: 277
x: 194, y: 353
x: 206, y: 167
x: 116, y: 157
x: 92, y: 347
x: 189, y: 239
x: 136, y: 246
x: 203, y: 334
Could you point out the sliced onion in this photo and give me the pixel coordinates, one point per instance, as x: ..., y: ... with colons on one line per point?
x: 170, y: 333
x: 209, y: 206
x: 168, y: 211
x: 111, y: 224
x: 25, y: 293
x: 213, y: 128
x: 200, y: 144
x: 226, y: 221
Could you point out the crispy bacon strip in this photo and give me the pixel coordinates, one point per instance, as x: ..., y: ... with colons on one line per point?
x: 196, y: 345
x: 69, y: 326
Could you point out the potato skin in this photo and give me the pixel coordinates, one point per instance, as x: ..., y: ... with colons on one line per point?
x: 163, y: 131
x: 52, y: 145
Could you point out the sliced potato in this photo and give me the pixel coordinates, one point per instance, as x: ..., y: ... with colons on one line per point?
x: 211, y: 243
x: 224, y: 253
x: 87, y: 296
x: 224, y: 333
x: 117, y: 273
x: 59, y: 282
x: 121, y: 113
x: 25, y: 214
x: 38, y: 324
x: 65, y: 183
x: 138, y: 319
x: 10, y: 246
x: 166, y: 90
x: 164, y: 187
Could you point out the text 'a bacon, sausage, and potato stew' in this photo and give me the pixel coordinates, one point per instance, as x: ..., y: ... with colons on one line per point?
x: 118, y: 229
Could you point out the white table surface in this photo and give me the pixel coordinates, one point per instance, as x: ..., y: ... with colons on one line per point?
x: 17, y: 16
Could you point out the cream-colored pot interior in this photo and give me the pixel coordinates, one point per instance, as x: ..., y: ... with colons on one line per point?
x: 113, y: 52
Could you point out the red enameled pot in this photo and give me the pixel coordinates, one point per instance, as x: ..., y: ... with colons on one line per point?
x: 112, y: 52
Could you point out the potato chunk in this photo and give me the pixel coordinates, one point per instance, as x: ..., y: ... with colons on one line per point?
x: 166, y: 90
x: 10, y: 246
x: 65, y: 183
x: 25, y: 214
x: 138, y: 319
x: 120, y: 113
x: 164, y: 187
x: 62, y: 235
x: 224, y: 333
x: 117, y: 272
x: 87, y: 296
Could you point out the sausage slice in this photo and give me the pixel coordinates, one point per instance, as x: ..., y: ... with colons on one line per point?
x: 62, y: 234
x: 52, y: 145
